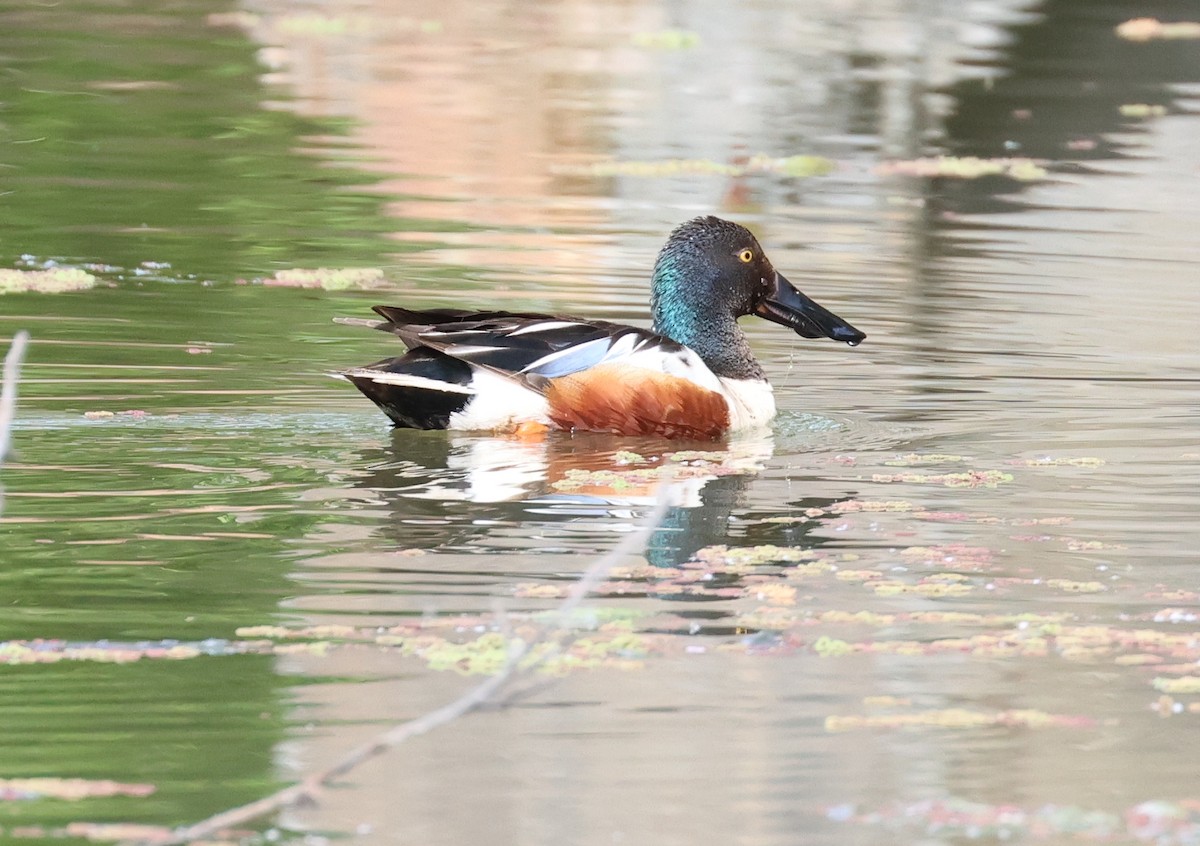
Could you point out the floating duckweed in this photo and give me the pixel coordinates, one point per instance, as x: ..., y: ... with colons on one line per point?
x: 865, y: 618
x: 1139, y: 660
x: 970, y: 167
x: 828, y: 647
x: 774, y: 593
x: 104, y: 414
x: 858, y: 575
x: 798, y: 166
x: 631, y: 470
x: 486, y: 654
x: 751, y: 556
x: 690, y: 456
x: 53, y: 652
x: 953, y: 819
x: 329, y: 279
x: 532, y: 590
x: 54, y: 280
x: 678, y: 465
x: 1077, y: 545
x: 1143, y: 110
x: 925, y: 588
x: 1071, y: 586
x: 853, y: 506
x: 959, y: 555
x: 576, y: 478
x: 1076, y: 643
x: 644, y: 571
x: 613, y: 644
x: 1047, y: 461
x: 812, y: 569
x: 913, y: 459
x: 625, y: 457
x: 970, y: 479
x: 1183, y: 684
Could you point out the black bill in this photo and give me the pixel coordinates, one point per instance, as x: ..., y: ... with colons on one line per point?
x: 789, y: 307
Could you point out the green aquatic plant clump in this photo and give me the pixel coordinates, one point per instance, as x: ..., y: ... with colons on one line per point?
x: 1142, y: 110
x: 54, y: 280
x: 329, y: 279
x: 969, y: 479
x: 966, y: 167
x: 614, y: 648
x: 632, y: 471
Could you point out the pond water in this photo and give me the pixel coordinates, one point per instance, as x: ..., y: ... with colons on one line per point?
x: 952, y: 594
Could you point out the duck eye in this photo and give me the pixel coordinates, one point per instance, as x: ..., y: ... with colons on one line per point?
x: 746, y: 256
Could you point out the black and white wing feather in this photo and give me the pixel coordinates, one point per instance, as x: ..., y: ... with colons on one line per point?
x: 534, y: 348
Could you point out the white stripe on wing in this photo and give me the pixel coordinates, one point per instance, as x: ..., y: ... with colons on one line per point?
x: 384, y: 377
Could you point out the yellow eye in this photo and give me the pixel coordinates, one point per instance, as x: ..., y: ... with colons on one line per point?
x: 746, y: 256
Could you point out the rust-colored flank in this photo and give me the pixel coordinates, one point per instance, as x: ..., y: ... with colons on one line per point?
x: 633, y: 401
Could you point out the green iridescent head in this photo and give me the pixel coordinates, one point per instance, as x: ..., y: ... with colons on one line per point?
x: 711, y: 272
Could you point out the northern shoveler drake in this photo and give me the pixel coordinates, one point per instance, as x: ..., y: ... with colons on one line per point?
x: 691, y: 376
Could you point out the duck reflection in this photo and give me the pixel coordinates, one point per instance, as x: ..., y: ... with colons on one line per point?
x: 561, y: 492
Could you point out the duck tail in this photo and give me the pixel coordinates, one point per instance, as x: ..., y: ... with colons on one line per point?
x: 418, y: 390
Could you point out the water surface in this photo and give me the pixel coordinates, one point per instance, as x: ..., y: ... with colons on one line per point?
x: 983, y: 591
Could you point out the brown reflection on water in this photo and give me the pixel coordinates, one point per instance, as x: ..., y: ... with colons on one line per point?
x: 480, y: 112
x: 469, y: 106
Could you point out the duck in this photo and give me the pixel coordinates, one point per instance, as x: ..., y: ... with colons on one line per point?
x: 692, y: 375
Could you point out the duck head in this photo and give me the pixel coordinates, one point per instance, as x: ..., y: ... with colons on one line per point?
x: 711, y: 272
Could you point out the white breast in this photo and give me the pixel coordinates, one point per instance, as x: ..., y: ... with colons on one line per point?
x: 751, y: 402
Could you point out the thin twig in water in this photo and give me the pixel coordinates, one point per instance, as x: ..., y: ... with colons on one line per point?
x: 469, y: 701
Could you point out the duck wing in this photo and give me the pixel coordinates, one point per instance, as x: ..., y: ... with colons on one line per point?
x: 535, y: 348
x: 499, y: 370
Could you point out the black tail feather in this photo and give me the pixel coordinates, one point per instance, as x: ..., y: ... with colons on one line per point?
x: 418, y: 407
